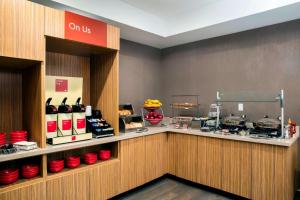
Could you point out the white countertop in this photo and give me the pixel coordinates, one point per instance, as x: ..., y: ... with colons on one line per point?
x: 151, y: 130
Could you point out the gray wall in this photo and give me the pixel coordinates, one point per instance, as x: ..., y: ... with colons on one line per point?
x: 265, y: 59
x: 140, y: 73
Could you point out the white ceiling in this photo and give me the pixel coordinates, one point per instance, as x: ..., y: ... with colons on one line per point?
x: 166, y: 23
x: 168, y: 8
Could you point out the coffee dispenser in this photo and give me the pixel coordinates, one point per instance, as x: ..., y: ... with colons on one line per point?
x: 51, y: 120
x: 79, y: 124
x: 64, y: 119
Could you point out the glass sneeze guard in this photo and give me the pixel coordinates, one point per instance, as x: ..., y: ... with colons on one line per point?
x: 251, y: 96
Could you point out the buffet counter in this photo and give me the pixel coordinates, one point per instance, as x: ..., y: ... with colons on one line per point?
x: 151, y: 131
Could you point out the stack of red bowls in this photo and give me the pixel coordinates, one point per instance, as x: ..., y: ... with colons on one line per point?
x: 18, y: 136
x: 56, y: 165
x: 90, y: 158
x: 30, y: 170
x: 73, y: 161
x: 8, y: 176
x: 2, y: 139
x: 104, y: 154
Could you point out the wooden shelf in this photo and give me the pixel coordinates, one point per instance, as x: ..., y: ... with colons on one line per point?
x: 20, y: 183
x: 65, y: 46
x: 82, y: 166
x: 10, y: 63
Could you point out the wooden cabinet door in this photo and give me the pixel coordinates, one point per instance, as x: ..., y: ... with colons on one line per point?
x: 236, y: 168
x: 22, y: 29
x: 209, y: 171
x: 171, y: 153
x: 104, y: 180
x: 273, y: 171
x: 263, y: 171
x: 32, y: 192
x: 69, y: 187
x: 132, y: 163
x: 186, y: 156
x: 155, y: 156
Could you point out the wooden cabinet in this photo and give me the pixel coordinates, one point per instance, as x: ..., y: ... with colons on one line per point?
x: 171, y: 153
x: 273, y: 171
x: 96, y: 182
x: 236, y: 168
x: 22, y: 29
x: 132, y: 163
x: 209, y: 156
x: 30, y: 192
x: 263, y: 171
x: 155, y: 156
x: 104, y: 181
x: 71, y: 186
x: 186, y: 156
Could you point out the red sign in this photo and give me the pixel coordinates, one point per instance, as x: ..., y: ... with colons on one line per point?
x: 80, y: 123
x: 85, y: 30
x: 61, y: 85
x: 66, y: 124
x: 51, y: 126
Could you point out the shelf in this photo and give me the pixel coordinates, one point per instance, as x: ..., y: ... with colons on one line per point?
x: 20, y: 183
x: 16, y: 63
x: 21, y: 154
x: 17, y: 164
x: 58, y: 45
x: 67, y: 171
x: 21, y: 104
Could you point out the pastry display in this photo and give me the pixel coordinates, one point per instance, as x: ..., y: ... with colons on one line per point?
x: 133, y: 125
x: 128, y: 120
x: 125, y: 112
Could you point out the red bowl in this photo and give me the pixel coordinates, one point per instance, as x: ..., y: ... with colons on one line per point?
x: 104, y: 154
x: 19, y: 132
x: 89, y: 162
x: 30, y: 166
x: 9, y: 171
x: 56, y: 162
x: 73, y: 158
x: 18, y: 138
x: 56, y: 169
x: 9, y: 181
x: 30, y: 170
x: 73, y: 165
x: 90, y: 155
x: 17, y: 135
x: 9, y: 176
x: 30, y: 175
x: 154, y: 121
x: 90, y: 158
x: 3, y: 135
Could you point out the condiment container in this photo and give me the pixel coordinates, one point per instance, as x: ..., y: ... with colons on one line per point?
x: 79, y: 123
x: 64, y: 119
x: 51, y: 120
